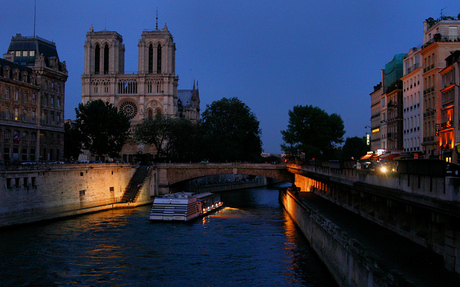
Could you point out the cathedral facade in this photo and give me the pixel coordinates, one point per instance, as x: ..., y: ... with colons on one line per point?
x: 152, y: 90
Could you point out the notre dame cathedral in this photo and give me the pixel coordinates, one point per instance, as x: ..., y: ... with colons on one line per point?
x: 150, y: 91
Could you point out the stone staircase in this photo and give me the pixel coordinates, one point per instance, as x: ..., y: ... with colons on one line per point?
x: 132, y: 191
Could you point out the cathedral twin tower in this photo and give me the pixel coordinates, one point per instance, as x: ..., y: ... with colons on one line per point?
x: 153, y: 90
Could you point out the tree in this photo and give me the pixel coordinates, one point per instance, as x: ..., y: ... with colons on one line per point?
x: 355, y: 148
x: 184, y: 141
x: 154, y: 131
x: 72, y: 142
x: 104, y: 129
x: 230, y: 132
x: 312, y: 132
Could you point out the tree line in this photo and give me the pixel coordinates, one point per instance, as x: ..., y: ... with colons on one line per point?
x: 227, y: 131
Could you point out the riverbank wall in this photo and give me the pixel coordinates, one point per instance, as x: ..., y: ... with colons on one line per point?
x: 349, y: 262
x: 42, y: 192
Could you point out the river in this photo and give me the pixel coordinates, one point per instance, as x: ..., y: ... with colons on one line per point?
x: 250, y: 242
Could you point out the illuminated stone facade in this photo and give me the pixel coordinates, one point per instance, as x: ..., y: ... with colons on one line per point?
x: 143, y: 94
x: 440, y: 38
x: 32, y: 90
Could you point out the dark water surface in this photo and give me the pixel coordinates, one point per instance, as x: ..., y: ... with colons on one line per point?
x: 250, y: 242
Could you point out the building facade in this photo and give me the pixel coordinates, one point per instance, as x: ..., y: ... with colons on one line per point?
x: 394, y: 103
x: 376, y: 105
x: 418, y: 109
x: 449, y: 132
x: 440, y: 38
x: 412, y: 103
x: 152, y: 90
x: 32, y: 94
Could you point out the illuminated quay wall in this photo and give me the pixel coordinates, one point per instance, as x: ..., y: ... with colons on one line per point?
x: 424, y: 209
x: 40, y: 192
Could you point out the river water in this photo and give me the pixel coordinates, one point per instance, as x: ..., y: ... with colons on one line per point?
x: 250, y: 242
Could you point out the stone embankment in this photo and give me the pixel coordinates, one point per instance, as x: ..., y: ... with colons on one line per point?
x: 358, y: 252
x: 41, y: 192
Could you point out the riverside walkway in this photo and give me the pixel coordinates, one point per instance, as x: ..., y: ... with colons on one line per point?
x: 417, y: 265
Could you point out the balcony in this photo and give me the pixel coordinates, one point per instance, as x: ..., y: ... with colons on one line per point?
x: 412, y: 68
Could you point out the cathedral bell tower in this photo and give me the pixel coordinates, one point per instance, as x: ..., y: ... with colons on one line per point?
x: 157, y: 52
x: 104, y: 53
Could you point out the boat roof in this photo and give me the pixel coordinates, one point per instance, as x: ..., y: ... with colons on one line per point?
x: 178, y: 195
x: 206, y: 194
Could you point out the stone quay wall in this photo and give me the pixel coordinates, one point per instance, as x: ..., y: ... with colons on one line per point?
x: 348, y: 261
x: 40, y: 192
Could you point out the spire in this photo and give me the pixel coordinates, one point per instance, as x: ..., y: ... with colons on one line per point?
x: 194, y: 84
x: 156, y: 27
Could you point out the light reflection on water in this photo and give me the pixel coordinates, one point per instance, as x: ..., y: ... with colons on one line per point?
x: 251, y: 242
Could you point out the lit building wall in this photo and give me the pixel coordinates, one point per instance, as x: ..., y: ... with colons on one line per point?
x: 412, y: 102
x: 441, y: 37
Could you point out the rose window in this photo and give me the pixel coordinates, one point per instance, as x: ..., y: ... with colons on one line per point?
x: 129, y: 109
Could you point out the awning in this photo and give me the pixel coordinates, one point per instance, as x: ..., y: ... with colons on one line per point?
x: 391, y: 156
x: 366, y: 156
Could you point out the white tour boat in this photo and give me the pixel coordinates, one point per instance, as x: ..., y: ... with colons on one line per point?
x: 184, y: 206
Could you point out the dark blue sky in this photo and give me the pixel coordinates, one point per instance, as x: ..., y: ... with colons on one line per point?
x: 272, y: 55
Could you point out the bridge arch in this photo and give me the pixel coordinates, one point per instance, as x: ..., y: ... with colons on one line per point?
x: 169, y: 173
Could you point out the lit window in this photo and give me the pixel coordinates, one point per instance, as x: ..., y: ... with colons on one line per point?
x: 32, y: 53
x: 18, y: 53
x: 25, y: 53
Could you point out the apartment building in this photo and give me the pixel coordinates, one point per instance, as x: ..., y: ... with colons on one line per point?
x: 32, y: 94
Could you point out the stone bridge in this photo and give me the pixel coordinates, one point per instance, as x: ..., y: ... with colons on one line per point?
x: 167, y: 174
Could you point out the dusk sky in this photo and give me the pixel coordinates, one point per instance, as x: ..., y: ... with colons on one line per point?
x: 272, y: 55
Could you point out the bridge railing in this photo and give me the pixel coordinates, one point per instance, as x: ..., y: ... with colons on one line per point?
x: 220, y: 165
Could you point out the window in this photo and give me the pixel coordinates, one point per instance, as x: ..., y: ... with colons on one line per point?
x: 7, y: 94
x: 453, y: 33
x: 106, y: 59
x: 16, y: 95
x: 32, y: 53
x: 18, y: 53
x: 25, y: 53
x: 7, y: 135
x: 24, y: 154
x: 33, y: 98
x: 25, y: 97
x: 58, y: 102
x: 150, y: 59
x: 6, y: 153
x: 159, y: 59
x: 383, y: 102
x: 97, y: 59
x: 16, y: 114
